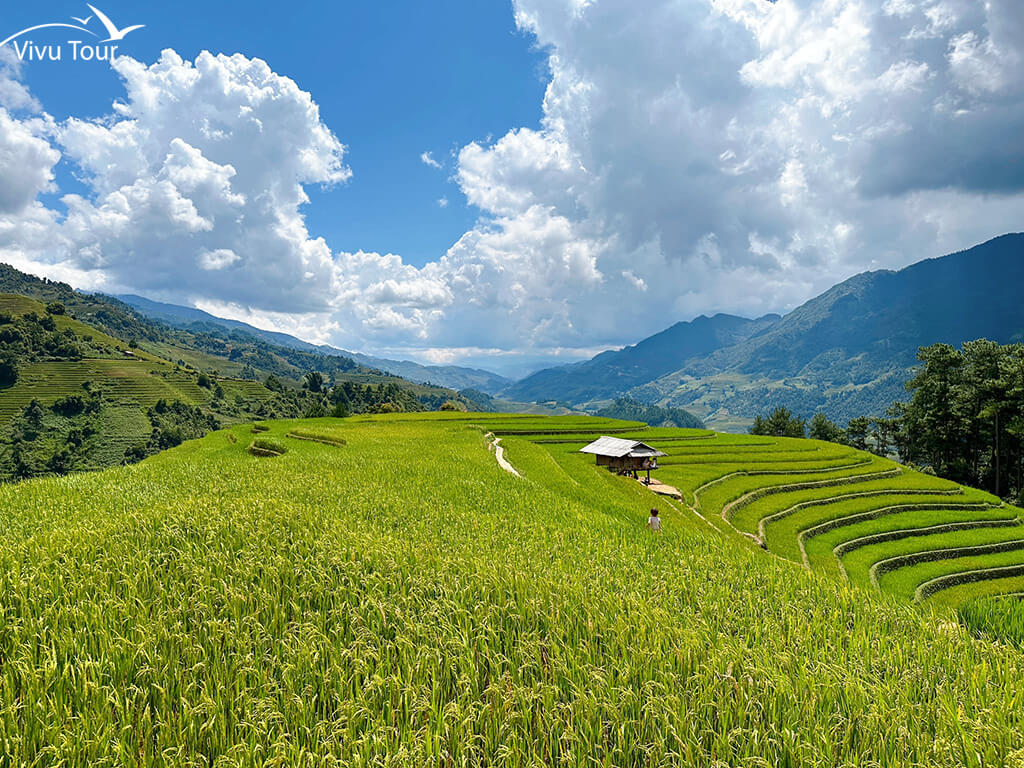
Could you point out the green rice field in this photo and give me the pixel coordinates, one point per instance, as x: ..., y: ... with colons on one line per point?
x: 383, y: 593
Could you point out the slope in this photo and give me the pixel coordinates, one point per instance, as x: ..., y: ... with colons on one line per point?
x: 614, y: 372
x: 393, y: 596
x: 86, y: 383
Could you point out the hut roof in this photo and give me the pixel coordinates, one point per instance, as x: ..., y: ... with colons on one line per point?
x: 617, y: 447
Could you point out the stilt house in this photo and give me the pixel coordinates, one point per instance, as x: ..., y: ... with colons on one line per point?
x: 623, y: 455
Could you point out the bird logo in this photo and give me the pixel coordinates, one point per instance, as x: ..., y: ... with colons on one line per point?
x: 113, y: 31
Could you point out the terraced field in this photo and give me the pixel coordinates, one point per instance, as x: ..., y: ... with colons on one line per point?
x: 378, y: 591
x: 833, y: 509
x: 125, y: 382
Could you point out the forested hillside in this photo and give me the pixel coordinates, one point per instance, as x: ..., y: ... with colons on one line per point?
x: 86, y: 383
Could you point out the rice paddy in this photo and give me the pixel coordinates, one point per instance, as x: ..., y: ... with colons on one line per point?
x: 842, y: 512
x: 396, y: 598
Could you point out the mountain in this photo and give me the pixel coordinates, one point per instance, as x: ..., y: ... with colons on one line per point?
x: 849, y: 351
x: 846, y: 352
x: 450, y: 376
x: 614, y: 372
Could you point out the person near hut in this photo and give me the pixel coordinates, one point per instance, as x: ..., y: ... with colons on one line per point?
x: 647, y: 466
x: 654, y: 521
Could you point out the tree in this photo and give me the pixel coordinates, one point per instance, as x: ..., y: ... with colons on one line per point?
x: 56, y: 308
x: 315, y: 410
x: 857, y: 433
x: 934, y: 418
x: 884, y: 433
x: 822, y: 428
x: 780, y: 423
x: 8, y: 369
x: 314, y: 381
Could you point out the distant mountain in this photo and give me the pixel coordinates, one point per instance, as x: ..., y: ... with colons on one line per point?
x: 849, y: 351
x: 846, y: 352
x: 614, y: 372
x: 450, y: 376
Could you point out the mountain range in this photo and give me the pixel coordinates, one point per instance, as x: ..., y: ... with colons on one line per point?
x: 449, y: 376
x: 846, y: 352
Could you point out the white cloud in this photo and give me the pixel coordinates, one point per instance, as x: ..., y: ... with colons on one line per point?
x: 197, y: 182
x: 26, y: 162
x: 731, y: 155
x: 442, y: 202
x: 218, y: 259
x: 13, y: 93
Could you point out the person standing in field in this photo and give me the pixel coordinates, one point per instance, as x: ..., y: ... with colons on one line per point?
x: 654, y: 522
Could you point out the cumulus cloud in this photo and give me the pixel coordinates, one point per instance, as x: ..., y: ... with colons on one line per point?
x: 742, y: 155
x: 196, y: 184
x: 701, y: 156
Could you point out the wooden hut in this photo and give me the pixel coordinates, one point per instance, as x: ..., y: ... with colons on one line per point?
x: 624, y: 456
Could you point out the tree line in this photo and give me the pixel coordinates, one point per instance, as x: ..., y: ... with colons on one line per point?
x: 963, y: 420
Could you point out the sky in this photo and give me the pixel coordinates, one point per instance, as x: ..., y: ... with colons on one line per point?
x: 503, y: 184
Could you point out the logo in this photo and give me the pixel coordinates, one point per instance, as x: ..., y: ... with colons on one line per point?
x: 76, y: 50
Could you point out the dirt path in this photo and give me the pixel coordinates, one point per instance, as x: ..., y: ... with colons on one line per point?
x: 499, y: 454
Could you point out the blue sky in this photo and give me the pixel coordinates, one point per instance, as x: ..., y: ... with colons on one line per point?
x: 393, y: 79
x: 611, y: 166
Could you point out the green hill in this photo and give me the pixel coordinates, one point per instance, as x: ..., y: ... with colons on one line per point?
x: 81, y: 375
x: 378, y: 591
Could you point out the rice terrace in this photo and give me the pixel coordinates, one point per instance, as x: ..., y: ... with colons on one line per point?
x: 378, y: 590
x: 516, y: 384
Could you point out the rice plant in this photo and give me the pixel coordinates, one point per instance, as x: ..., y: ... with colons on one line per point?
x: 417, y: 605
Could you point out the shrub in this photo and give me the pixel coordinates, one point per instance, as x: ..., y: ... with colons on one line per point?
x: 8, y: 370
x: 70, y: 405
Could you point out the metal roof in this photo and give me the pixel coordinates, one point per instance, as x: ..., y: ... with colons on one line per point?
x: 617, y: 447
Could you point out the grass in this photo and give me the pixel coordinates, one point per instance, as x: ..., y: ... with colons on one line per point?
x: 873, y: 560
x: 1000, y: 617
x: 423, y: 607
x: 136, y: 381
x: 905, y: 581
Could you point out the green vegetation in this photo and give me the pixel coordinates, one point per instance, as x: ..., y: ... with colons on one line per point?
x: 965, y: 419
x: 267, y: 446
x: 1000, y: 617
x: 149, y: 386
x: 421, y: 606
x: 655, y: 415
x: 317, y: 436
x: 782, y: 423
